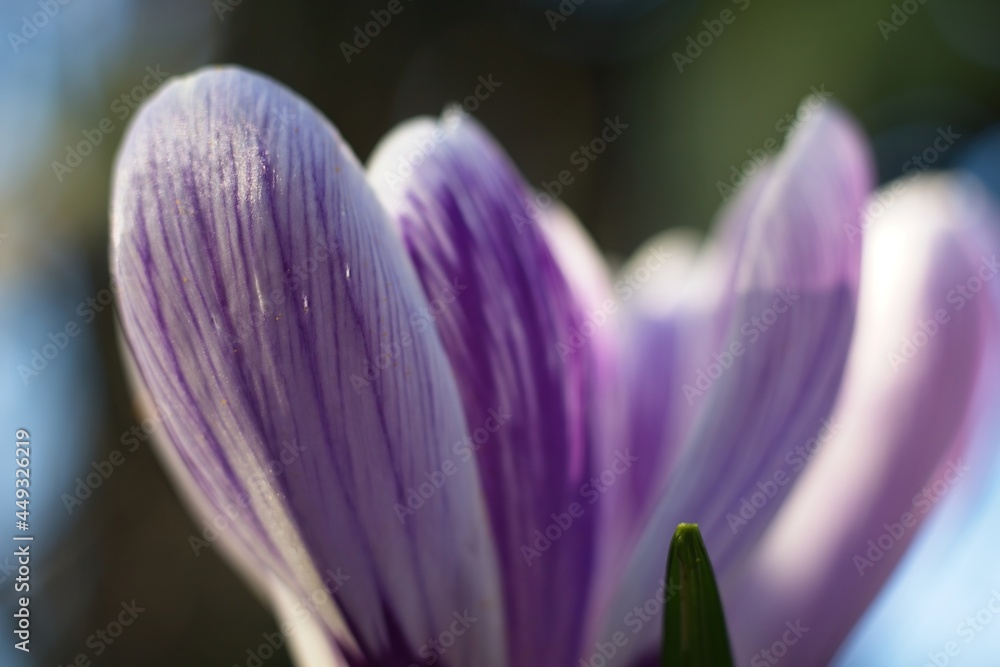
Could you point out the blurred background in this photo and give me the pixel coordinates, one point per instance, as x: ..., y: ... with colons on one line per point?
x: 699, y: 97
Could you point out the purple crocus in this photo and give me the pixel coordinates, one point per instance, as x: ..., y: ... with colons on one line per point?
x: 436, y: 430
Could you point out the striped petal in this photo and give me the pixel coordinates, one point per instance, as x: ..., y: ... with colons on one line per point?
x: 676, y: 298
x: 679, y: 313
x: 522, y: 346
x: 910, y: 400
x: 775, y: 376
x: 267, y: 305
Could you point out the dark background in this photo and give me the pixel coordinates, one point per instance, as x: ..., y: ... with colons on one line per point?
x: 686, y: 132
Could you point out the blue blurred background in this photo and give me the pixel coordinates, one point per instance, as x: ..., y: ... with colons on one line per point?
x: 72, y: 73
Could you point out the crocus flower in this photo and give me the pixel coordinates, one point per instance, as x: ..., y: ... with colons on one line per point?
x: 942, y: 604
x: 436, y: 431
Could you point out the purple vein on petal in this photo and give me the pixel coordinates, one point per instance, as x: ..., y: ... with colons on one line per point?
x: 462, y: 214
x: 257, y: 273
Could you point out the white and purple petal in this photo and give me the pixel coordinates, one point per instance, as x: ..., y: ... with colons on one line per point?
x: 517, y: 339
x: 916, y: 384
x: 267, y: 304
x: 775, y: 375
x: 678, y: 294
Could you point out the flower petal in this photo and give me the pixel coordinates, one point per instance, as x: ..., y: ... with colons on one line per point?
x: 777, y: 373
x: 909, y: 401
x: 266, y: 302
x: 940, y: 585
x: 678, y: 300
x: 516, y: 339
